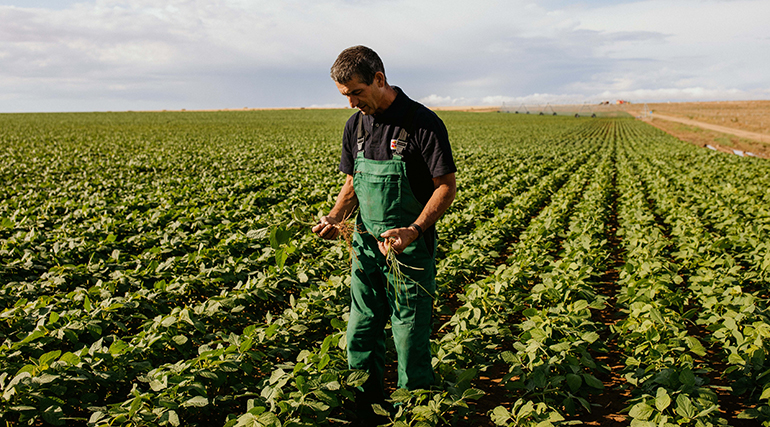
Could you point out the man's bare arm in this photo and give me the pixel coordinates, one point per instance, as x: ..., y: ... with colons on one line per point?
x: 443, y: 196
x: 346, y: 203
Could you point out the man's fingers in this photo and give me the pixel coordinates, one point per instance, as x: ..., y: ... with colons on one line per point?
x: 383, y: 247
x: 326, y: 229
x: 329, y: 232
x: 389, y: 233
x: 393, y: 242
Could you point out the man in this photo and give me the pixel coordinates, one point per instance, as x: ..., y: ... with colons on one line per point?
x: 401, y: 175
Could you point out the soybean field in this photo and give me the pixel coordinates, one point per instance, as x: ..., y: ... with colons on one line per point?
x: 158, y: 269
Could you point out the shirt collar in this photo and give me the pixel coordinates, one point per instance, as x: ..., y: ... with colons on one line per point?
x: 395, y: 107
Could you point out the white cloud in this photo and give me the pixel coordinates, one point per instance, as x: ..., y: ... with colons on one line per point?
x: 636, y: 95
x: 120, y: 54
x: 534, y: 99
x: 434, y: 100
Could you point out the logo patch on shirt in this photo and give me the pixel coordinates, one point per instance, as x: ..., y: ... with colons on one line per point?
x: 393, y: 144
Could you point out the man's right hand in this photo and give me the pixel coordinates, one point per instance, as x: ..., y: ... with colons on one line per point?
x: 327, y: 228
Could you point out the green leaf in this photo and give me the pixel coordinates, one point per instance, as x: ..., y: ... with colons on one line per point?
x: 500, y: 415
x: 687, y: 377
x: 467, y: 375
x: 118, y: 347
x: 560, y: 347
x: 179, y: 339
x: 53, y: 415
x: 46, y: 359
x: 655, y: 315
x: 707, y: 411
x: 641, y: 411
x: 246, y: 345
x: 690, y: 313
x: 197, y: 401
x: 508, y: 357
x: 332, y: 385
x: 662, y: 399
x: 31, y: 337
x: 327, y: 397
x: 357, y: 378
x: 45, y: 379
x: 205, y: 373
x: 379, y: 410
x: 580, y: 305
x: 592, y: 381
x: 684, y: 407
x: 172, y: 417
x: 323, y: 362
x: 473, y: 394
x: 400, y: 395
x: 695, y: 346
x: 574, y: 382
x: 735, y: 359
x: 268, y: 419
x: 270, y: 331
x: 590, y: 337
x: 158, y: 385
x: 749, y: 414
x: 279, y: 236
x: 280, y: 258
x: 136, y: 404
x: 245, y: 420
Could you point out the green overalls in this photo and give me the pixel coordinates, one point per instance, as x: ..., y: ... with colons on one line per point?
x: 386, y: 201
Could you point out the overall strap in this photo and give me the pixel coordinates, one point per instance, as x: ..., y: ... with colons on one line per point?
x: 403, y: 136
x: 360, y: 137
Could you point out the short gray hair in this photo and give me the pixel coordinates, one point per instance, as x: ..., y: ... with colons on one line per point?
x: 357, y: 61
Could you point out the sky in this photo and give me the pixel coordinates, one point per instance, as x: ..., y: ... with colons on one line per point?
x: 118, y: 55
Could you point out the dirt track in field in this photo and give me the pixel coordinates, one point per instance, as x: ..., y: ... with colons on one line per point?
x: 703, y: 137
x: 724, y: 125
x: 737, y: 132
x: 751, y: 116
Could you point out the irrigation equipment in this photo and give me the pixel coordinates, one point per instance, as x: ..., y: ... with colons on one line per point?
x: 583, y: 109
x: 522, y: 107
x: 546, y: 108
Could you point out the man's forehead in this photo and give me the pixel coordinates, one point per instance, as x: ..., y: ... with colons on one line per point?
x: 350, y: 85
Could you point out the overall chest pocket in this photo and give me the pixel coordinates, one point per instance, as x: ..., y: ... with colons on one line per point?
x: 379, y: 198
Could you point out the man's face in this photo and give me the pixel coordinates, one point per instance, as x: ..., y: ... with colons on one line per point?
x: 366, y: 98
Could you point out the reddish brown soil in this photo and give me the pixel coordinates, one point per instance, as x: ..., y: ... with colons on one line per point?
x: 724, y: 125
x: 704, y: 137
x: 751, y: 116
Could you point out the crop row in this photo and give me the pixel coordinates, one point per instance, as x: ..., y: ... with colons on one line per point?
x: 182, y: 293
x: 550, y: 367
x: 158, y: 269
x: 734, y: 315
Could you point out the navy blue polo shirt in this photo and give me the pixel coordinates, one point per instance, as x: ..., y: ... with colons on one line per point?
x: 427, y: 154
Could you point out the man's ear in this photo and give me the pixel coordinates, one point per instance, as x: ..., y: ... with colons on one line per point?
x: 379, y: 79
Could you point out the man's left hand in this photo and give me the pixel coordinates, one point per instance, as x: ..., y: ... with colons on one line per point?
x: 398, y: 239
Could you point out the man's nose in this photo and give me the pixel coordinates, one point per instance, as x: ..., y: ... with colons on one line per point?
x: 353, y: 101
